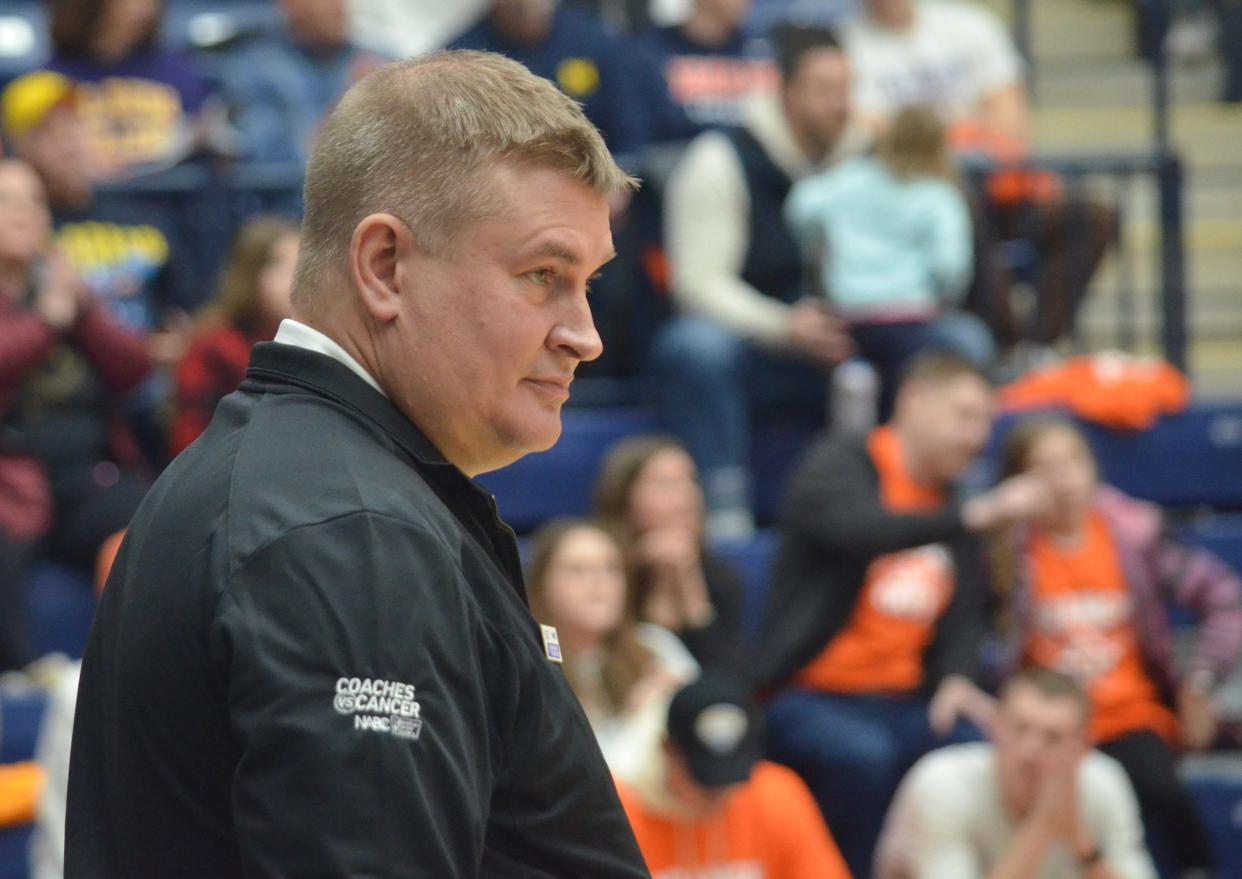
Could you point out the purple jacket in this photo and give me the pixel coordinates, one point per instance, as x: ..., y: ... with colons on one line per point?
x: 1160, y: 572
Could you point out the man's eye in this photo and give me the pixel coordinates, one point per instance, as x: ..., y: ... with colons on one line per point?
x: 541, y: 276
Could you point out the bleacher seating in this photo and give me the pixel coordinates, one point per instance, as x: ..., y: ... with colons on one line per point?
x: 15, y: 852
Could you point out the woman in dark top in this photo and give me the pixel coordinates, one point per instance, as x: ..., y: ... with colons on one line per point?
x: 648, y: 491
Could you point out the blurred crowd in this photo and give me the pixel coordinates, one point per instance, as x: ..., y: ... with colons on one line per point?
x: 840, y: 223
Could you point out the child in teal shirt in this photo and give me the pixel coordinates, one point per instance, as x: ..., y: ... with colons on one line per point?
x: 890, y: 237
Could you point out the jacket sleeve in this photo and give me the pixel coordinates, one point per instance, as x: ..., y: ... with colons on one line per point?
x: 956, y: 646
x: 25, y: 341
x: 355, y: 665
x: 1207, y: 587
x: 832, y: 502
x: 707, y: 227
x: 119, y: 353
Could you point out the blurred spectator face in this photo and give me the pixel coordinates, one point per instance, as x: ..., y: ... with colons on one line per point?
x: 57, y: 149
x: 1061, y: 457
x: 125, y: 25
x: 728, y: 13
x: 817, y: 97
x: 695, y: 800
x: 521, y: 21
x: 666, y: 494
x: 25, y: 221
x: 893, y: 13
x: 946, y: 422
x: 276, y: 281
x: 584, y: 586
x: 1034, y: 732
x: 317, y: 22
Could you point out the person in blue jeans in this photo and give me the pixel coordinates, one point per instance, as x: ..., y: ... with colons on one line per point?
x: 889, y: 237
x: 746, y: 342
x: 875, y: 610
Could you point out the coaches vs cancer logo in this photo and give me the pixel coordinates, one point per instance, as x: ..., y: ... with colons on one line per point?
x: 378, y: 705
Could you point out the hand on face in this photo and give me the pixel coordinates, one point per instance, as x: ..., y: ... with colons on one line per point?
x: 1056, y: 798
x: 678, y: 596
x: 673, y: 551
x: 1022, y: 498
x: 958, y: 697
x: 61, y: 294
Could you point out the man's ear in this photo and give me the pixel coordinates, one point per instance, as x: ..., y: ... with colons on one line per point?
x: 379, y: 243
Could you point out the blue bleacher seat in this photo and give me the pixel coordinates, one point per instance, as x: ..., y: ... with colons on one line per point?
x: 1215, y: 781
x: 61, y: 603
x: 559, y: 482
x: 751, y: 558
x: 1220, y: 534
x: 20, y: 716
x: 15, y: 852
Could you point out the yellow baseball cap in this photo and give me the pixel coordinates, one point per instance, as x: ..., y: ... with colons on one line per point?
x: 28, y: 99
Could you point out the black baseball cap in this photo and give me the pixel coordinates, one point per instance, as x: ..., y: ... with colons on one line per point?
x: 715, y: 725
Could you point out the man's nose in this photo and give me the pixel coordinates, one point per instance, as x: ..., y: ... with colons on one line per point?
x: 576, y: 335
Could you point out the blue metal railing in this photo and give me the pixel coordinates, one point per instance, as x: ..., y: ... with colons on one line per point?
x: 1164, y: 163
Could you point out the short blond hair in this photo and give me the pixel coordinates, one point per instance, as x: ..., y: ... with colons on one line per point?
x: 417, y: 138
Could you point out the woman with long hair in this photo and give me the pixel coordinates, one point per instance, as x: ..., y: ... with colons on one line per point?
x: 252, y: 299
x: 648, y: 492
x: 623, y: 672
x: 1086, y: 591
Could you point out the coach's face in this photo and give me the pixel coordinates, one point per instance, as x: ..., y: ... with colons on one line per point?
x: 486, y: 336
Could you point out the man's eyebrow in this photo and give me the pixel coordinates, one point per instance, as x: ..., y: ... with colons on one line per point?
x: 555, y: 250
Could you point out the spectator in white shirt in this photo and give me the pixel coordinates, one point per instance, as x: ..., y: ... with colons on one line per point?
x: 956, y: 57
x: 1036, y: 803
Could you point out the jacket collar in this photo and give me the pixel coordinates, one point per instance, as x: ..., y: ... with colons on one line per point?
x: 272, y: 363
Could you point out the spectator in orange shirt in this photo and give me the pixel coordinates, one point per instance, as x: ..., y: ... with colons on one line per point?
x: 706, y: 805
x: 1087, y: 591
x: 875, y: 610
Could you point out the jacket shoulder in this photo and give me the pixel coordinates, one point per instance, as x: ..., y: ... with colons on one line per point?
x: 301, y: 460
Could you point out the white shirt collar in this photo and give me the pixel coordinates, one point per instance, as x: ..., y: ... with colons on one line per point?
x: 299, y: 335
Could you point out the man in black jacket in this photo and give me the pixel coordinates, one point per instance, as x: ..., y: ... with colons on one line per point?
x: 875, y: 610
x: 314, y: 655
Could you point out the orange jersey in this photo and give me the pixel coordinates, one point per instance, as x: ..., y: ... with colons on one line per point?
x: 1084, y: 627
x: 769, y: 828
x: 894, y: 619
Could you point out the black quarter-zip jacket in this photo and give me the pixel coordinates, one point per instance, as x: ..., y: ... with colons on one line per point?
x: 314, y: 658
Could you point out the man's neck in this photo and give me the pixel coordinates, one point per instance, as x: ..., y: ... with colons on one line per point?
x: 529, y: 33
x: 71, y: 199
x: 317, y: 47
x: 916, y: 466
x: 897, y: 23
x: 815, y: 150
x: 1068, y: 531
